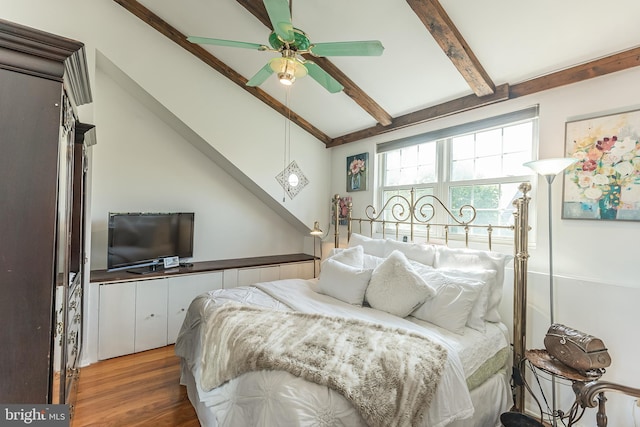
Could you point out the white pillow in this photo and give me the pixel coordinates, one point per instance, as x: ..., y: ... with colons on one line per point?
x: 395, y: 287
x: 371, y: 261
x: 478, y: 312
x: 333, y: 252
x: 420, y: 252
x: 452, y: 303
x: 343, y: 282
x: 371, y: 246
x: 473, y: 259
x: 350, y: 256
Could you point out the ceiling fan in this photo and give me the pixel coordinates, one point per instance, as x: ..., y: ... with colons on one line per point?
x: 292, y: 43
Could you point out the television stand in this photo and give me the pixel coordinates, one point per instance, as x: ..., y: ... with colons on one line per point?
x: 146, y: 270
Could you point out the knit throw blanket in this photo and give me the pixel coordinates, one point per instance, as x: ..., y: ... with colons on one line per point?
x: 389, y: 375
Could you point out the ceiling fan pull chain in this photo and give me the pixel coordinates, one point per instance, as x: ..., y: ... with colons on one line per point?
x: 284, y: 151
x: 288, y: 92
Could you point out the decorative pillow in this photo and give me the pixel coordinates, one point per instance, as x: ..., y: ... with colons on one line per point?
x: 351, y: 256
x: 395, y: 287
x: 420, y: 252
x: 333, y: 252
x: 343, y: 282
x: 478, y: 312
x: 371, y: 261
x: 452, y: 303
x: 473, y: 259
x: 371, y: 246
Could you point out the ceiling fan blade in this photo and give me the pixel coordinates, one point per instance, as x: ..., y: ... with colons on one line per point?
x: 322, y: 77
x: 280, y: 17
x: 229, y: 43
x: 262, y: 75
x: 362, y: 48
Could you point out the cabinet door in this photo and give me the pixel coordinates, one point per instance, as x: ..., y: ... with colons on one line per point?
x: 117, y: 319
x: 151, y: 314
x: 182, y: 290
x: 230, y: 278
x: 268, y: 274
x: 248, y: 276
x: 297, y: 270
x: 307, y: 270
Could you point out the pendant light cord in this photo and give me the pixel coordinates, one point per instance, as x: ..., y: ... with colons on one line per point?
x: 287, y: 142
x: 287, y: 129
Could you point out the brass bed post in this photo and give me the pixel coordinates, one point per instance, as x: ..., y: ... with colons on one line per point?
x: 336, y: 220
x: 521, y: 242
x: 349, y: 217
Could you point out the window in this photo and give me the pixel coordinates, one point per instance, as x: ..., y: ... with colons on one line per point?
x: 478, y: 164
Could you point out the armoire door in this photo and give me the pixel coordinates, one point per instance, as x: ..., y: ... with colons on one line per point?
x: 30, y: 110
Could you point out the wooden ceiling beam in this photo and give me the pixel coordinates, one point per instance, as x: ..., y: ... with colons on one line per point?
x: 445, y: 33
x: 596, y: 68
x: 257, y: 9
x: 438, y: 111
x: 176, y: 36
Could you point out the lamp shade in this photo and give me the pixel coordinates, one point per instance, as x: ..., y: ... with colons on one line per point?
x: 552, y: 166
x: 316, y: 229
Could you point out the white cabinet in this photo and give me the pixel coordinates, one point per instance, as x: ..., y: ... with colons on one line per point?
x: 230, y: 278
x: 116, y: 326
x: 151, y: 314
x: 249, y: 276
x: 139, y: 315
x: 182, y: 290
x: 133, y: 317
x: 297, y: 270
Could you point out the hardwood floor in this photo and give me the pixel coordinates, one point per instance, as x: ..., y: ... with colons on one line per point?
x: 141, y: 389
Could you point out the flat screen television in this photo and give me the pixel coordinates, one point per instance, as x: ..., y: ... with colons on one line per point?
x: 143, y: 239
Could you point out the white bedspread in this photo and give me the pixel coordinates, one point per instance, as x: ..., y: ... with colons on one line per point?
x: 277, y: 398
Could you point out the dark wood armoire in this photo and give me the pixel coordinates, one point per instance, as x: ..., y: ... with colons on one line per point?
x: 43, y: 78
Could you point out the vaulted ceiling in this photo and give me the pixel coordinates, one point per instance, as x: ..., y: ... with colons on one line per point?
x: 440, y: 58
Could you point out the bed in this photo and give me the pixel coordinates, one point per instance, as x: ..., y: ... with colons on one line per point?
x: 390, y: 333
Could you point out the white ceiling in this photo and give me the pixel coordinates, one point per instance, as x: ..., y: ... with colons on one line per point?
x: 513, y: 40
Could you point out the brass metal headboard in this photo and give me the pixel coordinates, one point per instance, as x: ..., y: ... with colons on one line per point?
x: 416, y: 213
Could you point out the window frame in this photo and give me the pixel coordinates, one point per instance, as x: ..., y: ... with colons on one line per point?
x: 442, y: 187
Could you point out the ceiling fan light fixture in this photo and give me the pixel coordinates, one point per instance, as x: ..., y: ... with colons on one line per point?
x: 288, y: 69
x: 286, y: 78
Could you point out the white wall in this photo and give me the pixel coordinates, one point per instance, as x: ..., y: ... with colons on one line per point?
x: 242, y: 129
x: 597, y: 290
x: 141, y: 164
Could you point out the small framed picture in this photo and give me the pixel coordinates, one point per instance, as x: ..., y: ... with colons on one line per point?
x: 343, y: 210
x: 171, y: 261
x: 357, y: 171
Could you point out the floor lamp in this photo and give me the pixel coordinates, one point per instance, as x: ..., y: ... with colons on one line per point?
x: 316, y: 232
x: 550, y: 168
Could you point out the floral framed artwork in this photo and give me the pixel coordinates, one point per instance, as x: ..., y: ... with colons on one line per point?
x: 343, y: 211
x: 357, y: 168
x: 604, y: 184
